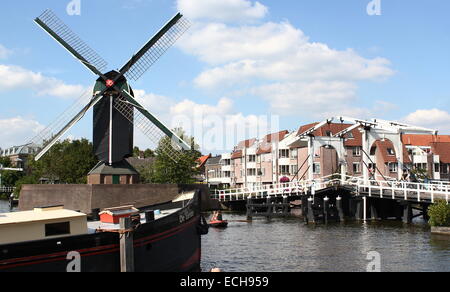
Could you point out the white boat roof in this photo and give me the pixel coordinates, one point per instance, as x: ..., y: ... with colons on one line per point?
x: 38, y: 215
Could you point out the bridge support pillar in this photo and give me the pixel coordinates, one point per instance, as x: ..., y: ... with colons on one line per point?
x: 407, y: 213
x: 270, y: 207
x: 249, y: 208
x: 373, y: 211
x: 285, y: 205
x: 361, y: 210
x: 425, y: 213
x: 326, y: 209
x: 310, y: 214
x: 340, y: 209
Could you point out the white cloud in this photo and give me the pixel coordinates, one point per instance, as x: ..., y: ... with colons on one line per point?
x: 18, y: 131
x: 4, y: 52
x: 430, y: 118
x: 279, y: 63
x: 220, y: 127
x: 275, y: 52
x: 222, y: 10
x: 154, y: 103
x: 308, y: 98
x: 15, y: 77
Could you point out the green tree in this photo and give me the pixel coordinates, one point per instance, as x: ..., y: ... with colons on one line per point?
x: 9, y: 178
x: 148, y: 153
x: 67, y: 162
x: 439, y: 214
x: 169, y: 169
x: 5, y: 161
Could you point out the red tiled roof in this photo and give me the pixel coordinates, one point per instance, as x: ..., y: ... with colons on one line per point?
x: 202, y: 160
x: 276, y: 137
x: 335, y: 128
x: 236, y: 155
x: 266, y: 146
x: 424, y: 140
x: 383, y: 146
x: 245, y: 144
x: 443, y: 150
x: 264, y: 149
x: 406, y: 158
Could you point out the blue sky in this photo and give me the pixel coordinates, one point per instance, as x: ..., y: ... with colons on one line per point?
x: 300, y: 60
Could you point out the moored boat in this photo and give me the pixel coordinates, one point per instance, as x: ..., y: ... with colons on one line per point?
x: 168, y: 242
x: 217, y: 220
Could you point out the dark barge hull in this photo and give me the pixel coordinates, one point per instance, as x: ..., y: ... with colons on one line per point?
x: 170, y: 244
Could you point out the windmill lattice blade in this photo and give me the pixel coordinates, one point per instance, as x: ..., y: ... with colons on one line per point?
x: 155, y: 48
x: 46, y: 136
x: 69, y: 40
x: 158, y: 138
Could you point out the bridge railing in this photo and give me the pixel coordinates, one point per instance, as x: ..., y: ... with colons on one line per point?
x: 278, y: 189
x: 409, y: 191
x: 4, y: 190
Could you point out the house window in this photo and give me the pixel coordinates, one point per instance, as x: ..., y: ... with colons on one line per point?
x: 373, y: 151
x: 350, y: 135
x: 262, y: 172
x: 329, y: 133
x: 391, y: 151
x: 316, y: 168
x: 393, y: 167
x: 284, y: 153
x: 294, y: 169
x: 251, y: 172
x: 436, y: 167
x: 56, y: 229
x: 356, y: 167
x: 356, y: 151
x: 284, y: 169
x: 444, y: 168
x: 294, y: 153
x: 252, y: 158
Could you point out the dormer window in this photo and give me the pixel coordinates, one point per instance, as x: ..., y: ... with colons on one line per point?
x: 391, y: 151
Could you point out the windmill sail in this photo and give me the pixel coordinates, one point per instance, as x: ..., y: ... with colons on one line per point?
x: 49, y: 22
x: 52, y: 133
x: 158, y: 133
x: 155, y: 47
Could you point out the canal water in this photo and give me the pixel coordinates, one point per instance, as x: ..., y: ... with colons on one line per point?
x: 288, y: 245
x: 4, y: 206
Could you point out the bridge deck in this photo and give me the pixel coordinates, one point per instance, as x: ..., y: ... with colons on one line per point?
x: 396, y: 190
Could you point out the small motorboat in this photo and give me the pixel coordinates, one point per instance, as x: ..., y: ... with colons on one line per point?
x: 217, y: 221
x: 219, y: 224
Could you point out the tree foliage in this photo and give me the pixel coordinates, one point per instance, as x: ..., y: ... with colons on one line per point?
x: 166, y: 169
x: 5, y: 161
x: 148, y: 153
x: 439, y: 214
x: 67, y: 162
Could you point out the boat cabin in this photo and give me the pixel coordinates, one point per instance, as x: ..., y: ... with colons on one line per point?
x: 41, y: 223
x: 113, y: 215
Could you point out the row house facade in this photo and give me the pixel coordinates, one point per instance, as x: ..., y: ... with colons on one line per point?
x: 283, y: 156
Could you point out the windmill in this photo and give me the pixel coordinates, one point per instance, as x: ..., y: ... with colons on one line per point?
x: 115, y: 110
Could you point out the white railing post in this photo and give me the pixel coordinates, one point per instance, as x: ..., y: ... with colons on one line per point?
x: 405, y: 191
x: 418, y: 192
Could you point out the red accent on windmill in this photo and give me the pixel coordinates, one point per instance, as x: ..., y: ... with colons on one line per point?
x: 109, y: 83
